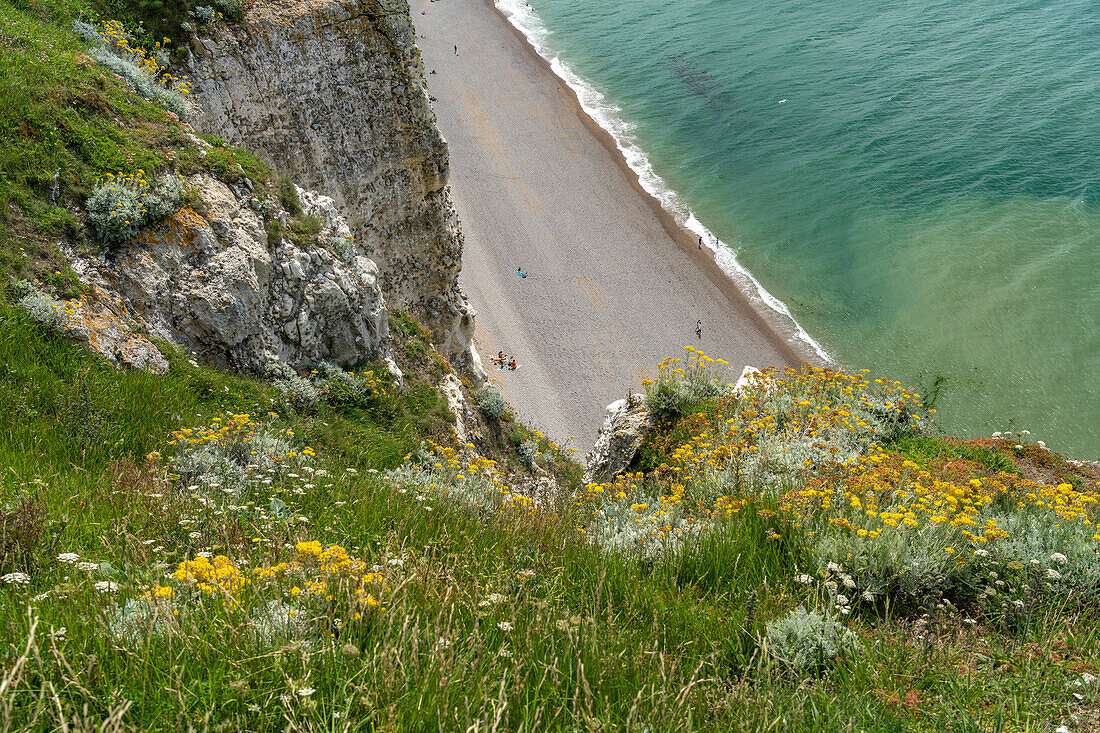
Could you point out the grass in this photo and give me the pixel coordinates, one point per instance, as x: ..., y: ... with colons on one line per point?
x: 927, y: 450
x: 502, y: 619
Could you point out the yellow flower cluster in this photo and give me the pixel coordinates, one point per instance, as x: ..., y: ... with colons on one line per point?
x: 117, y: 36
x: 321, y: 572
x: 211, y: 576
x: 883, y: 491
x: 238, y: 428
x: 804, y: 442
x: 473, y: 479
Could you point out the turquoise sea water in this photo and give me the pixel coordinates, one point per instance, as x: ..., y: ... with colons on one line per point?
x: 919, y: 182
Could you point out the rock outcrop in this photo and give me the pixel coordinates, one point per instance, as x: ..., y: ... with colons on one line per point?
x: 332, y: 93
x: 465, y: 427
x: 215, y: 283
x: 750, y: 375
x: 625, y: 426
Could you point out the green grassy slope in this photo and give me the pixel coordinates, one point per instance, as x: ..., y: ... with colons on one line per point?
x: 199, y: 550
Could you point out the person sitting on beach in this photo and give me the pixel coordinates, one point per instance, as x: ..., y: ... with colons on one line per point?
x: 699, y: 329
x: 520, y: 272
x: 513, y: 365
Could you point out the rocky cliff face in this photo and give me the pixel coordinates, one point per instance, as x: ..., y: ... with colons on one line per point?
x: 216, y: 283
x: 332, y: 93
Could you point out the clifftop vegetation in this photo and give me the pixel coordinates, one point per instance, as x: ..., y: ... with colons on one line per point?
x: 316, y: 551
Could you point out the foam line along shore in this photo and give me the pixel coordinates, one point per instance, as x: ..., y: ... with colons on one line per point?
x: 605, y: 114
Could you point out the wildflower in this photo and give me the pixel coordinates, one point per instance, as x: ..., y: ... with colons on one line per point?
x: 396, y: 561
x: 1053, y: 574
x: 981, y: 553
x: 804, y: 579
x: 834, y: 568
x: 68, y: 557
x: 87, y: 566
x: 306, y: 691
x: 1059, y: 558
x: 493, y: 599
x: 16, y: 578
x: 106, y: 586
x: 505, y: 626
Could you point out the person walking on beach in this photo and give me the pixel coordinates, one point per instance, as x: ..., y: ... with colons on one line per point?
x: 700, y: 238
x: 699, y: 329
x: 456, y: 50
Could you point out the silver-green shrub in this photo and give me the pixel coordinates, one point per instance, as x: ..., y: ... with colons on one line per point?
x: 139, y: 621
x: 299, y: 392
x: 22, y: 288
x: 528, y: 450
x: 275, y: 622
x: 44, y: 309
x: 144, y: 84
x: 807, y: 639
x: 119, y: 207
x: 203, y: 14
x: 491, y: 402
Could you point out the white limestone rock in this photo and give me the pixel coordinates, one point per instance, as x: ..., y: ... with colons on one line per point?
x: 625, y: 426
x: 748, y: 377
x: 465, y: 419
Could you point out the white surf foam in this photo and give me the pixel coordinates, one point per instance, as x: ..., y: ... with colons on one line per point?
x: 605, y: 114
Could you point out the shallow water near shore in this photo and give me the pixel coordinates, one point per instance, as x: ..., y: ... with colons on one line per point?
x: 919, y: 185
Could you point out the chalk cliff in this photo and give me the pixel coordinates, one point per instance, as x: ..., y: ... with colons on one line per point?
x: 332, y: 93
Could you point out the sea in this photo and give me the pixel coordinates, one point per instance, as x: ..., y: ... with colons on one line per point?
x: 913, y: 186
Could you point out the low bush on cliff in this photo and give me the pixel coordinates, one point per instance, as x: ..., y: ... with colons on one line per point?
x: 122, y: 205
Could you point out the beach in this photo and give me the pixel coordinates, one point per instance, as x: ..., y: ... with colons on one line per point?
x: 614, y: 285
